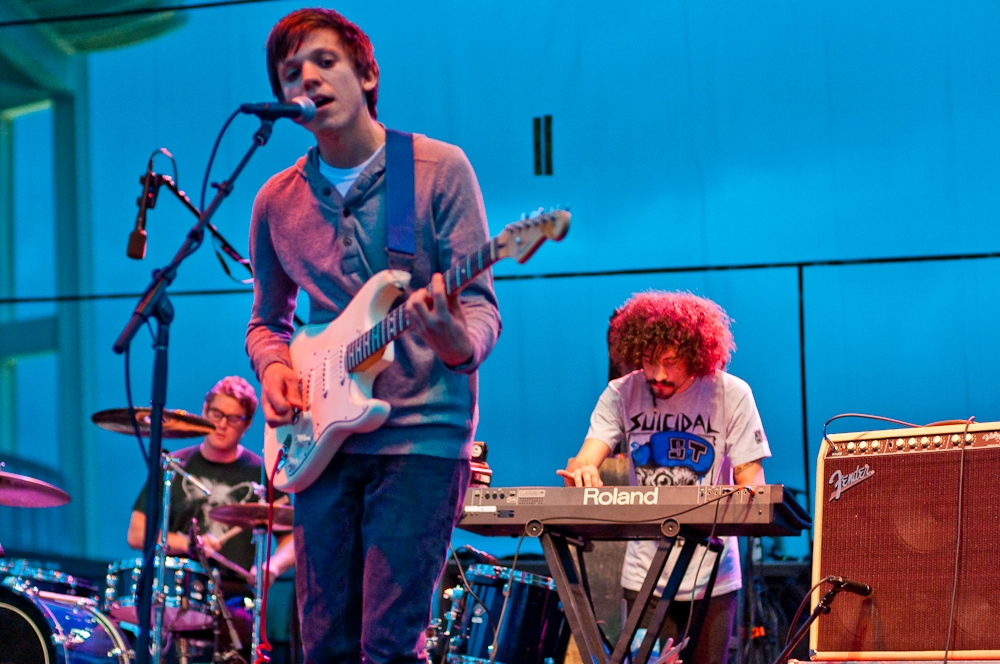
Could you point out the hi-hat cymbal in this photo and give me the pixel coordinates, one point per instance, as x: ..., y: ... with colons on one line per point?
x: 249, y: 515
x: 22, y: 491
x: 176, y: 423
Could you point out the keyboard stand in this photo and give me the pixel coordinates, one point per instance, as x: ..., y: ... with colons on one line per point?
x: 570, y: 577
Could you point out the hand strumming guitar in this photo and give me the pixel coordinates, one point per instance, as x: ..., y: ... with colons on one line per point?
x: 279, y: 391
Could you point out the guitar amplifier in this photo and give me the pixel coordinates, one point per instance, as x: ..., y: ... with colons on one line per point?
x: 903, y: 511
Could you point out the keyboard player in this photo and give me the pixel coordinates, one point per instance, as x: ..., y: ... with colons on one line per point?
x: 682, y: 419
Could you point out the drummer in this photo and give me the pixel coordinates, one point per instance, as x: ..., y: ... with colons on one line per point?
x: 229, y: 471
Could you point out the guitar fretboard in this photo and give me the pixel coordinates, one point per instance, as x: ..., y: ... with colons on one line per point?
x: 457, y: 277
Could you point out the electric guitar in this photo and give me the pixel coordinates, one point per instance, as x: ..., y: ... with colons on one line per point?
x: 337, y: 362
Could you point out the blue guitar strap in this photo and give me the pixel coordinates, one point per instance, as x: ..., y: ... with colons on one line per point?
x: 399, y: 196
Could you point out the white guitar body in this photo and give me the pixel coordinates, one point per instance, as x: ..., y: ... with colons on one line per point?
x: 337, y: 403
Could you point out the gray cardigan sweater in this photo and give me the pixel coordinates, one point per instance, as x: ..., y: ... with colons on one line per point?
x: 304, y: 234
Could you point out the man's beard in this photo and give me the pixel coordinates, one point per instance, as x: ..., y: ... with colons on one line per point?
x: 668, y: 389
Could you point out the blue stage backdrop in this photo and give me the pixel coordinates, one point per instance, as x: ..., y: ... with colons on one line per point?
x: 684, y: 134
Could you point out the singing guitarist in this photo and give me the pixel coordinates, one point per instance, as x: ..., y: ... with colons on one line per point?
x: 372, y: 531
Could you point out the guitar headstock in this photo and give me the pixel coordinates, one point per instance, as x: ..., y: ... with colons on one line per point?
x: 521, y: 239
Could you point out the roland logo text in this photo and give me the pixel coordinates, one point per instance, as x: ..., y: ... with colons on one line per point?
x: 620, y: 497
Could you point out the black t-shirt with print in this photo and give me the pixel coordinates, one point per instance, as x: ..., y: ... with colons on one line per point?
x: 230, y: 483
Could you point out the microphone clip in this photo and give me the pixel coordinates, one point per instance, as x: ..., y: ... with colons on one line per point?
x: 151, y: 183
x: 841, y: 584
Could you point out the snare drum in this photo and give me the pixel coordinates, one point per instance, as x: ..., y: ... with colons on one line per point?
x: 533, y: 629
x: 189, y: 593
x: 25, y: 575
x: 40, y: 627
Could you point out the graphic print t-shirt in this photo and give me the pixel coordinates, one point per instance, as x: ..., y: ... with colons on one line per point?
x: 695, y: 437
x: 230, y: 483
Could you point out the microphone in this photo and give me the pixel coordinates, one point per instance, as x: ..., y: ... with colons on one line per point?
x: 137, y: 238
x: 856, y: 587
x: 302, y: 109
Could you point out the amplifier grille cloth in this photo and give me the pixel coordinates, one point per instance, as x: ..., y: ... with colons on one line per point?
x: 896, y: 532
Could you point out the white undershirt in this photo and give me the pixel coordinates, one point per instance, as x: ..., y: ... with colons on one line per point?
x: 343, y: 178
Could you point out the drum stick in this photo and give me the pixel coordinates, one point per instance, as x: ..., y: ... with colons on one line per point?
x: 226, y: 562
x: 228, y: 535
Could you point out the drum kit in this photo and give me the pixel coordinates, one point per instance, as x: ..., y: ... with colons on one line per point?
x: 47, y: 616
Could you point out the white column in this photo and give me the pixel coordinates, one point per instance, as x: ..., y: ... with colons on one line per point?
x: 74, y: 276
x: 8, y: 411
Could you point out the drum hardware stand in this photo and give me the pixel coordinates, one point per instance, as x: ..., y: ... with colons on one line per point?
x: 174, y: 464
x: 457, y: 598
x: 154, y: 303
x: 260, y: 542
x: 158, y: 595
x: 442, y: 640
x: 234, y: 638
x: 570, y: 575
x: 221, y: 610
x: 170, y: 465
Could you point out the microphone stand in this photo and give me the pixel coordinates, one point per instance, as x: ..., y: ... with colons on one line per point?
x: 823, y: 606
x: 159, y: 180
x: 229, y: 249
x: 173, y: 463
x: 155, y: 304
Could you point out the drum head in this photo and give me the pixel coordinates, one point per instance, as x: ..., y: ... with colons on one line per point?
x: 46, y: 628
x: 26, y: 634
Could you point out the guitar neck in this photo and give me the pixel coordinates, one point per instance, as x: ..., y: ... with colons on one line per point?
x: 390, y: 328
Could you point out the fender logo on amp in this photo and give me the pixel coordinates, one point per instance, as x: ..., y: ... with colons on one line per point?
x: 842, y: 482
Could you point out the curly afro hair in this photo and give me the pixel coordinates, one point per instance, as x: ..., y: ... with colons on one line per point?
x: 648, y: 321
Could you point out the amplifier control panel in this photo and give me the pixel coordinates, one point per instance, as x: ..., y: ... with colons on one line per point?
x: 903, y: 441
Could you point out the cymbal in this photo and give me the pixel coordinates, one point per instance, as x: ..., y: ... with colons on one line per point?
x: 22, y: 491
x: 249, y: 515
x: 176, y: 423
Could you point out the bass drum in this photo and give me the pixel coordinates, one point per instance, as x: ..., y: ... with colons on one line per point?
x: 49, y: 628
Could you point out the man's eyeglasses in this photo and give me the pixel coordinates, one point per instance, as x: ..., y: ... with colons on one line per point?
x: 216, y: 415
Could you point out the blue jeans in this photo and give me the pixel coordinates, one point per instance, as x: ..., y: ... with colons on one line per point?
x: 371, y: 540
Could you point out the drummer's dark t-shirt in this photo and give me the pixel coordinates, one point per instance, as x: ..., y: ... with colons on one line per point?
x: 230, y: 483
